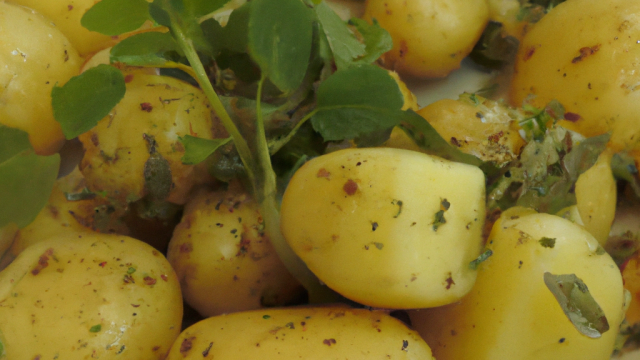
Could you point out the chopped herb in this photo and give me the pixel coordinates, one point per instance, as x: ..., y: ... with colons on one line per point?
x: 266, y: 317
x: 131, y: 270
x: 378, y: 245
x: 96, y: 328
x: 444, y: 205
x: 399, y: 203
x: 439, y: 220
x: 405, y: 345
x: 480, y: 259
x: 547, y: 242
x: 85, y: 194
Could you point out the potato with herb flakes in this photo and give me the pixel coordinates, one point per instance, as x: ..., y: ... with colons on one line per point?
x: 89, y: 296
x: 430, y: 37
x: 387, y: 227
x: 548, y: 291
x: 224, y: 260
x: 322, y: 333
x: 34, y: 56
x: 136, y: 150
x: 584, y: 53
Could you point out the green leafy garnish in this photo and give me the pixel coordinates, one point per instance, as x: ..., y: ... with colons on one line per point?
x: 146, y: 49
x: 377, y: 40
x: 26, y: 179
x: 96, y: 328
x: 87, y: 98
x: 115, y: 17
x: 280, y: 34
x: 547, y: 242
x: 480, y: 259
x: 131, y: 270
x: 494, y: 49
x: 439, y: 220
x: 198, y: 150
x: 344, y: 45
x: 578, y: 304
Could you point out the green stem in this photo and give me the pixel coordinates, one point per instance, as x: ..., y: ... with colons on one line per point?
x: 203, y: 80
x: 282, y: 142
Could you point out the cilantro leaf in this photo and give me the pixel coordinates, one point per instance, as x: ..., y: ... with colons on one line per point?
x: 376, y: 39
x: 145, y: 49
x: 115, y: 17
x: 343, y: 43
x: 578, y: 304
x: 87, y: 98
x: 280, y: 37
x: 198, y: 150
x: 26, y: 179
x: 357, y: 101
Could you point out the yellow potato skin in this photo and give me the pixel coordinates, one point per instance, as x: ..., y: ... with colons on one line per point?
x: 34, y: 56
x: 584, y: 53
x: 66, y: 15
x: 56, y: 291
x: 596, y: 194
x: 322, y: 333
x: 370, y: 233
x: 223, y: 259
x: 510, y: 313
x: 430, y: 37
x: 116, y: 150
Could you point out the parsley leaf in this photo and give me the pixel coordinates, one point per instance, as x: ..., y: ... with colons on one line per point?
x: 356, y: 102
x: 344, y: 45
x: 26, y: 179
x: 480, y: 259
x: 145, y: 49
x: 115, y: 17
x: 87, y: 98
x: 280, y: 38
x: 577, y: 303
x: 376, y: 39
x: 198, y: 150
x: 200, y: 8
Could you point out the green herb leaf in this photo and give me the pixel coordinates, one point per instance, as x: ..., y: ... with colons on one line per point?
x: 131, y: 270
x: 357, y: 101
x: 198, y: 150
x: 146, y: 49
x: 96, y: 328
x: 181, y: 18
x: 577, y: 303
x: 480, y: 259
x: 115, y: 17
x: 200, y: 8
x: 584, y: 155
x: 280, y: 37
x: 87, y: 98
x: 26, y: 179
x: 376, y: 39
x: 439, y: 220
x: 344, y: 45
x: 494, y: 49
x: 547, y: 242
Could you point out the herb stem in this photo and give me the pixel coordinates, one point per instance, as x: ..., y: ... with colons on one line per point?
x: 283, y: 141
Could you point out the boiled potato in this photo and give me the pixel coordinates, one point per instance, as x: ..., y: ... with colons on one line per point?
x: 430, y: 37
x: 511, y: 313
x: 332, y: 332
x: 485, y: 130
x: 141, y: 135
x: 89, y: 296
x: 584, y: 53
x: 387, y: 227
x: 223, y: 258
x: 34, y: 56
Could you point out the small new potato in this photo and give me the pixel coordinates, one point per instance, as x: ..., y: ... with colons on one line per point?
x: 430, y: 37
x: 223, y: 258
x: 144, y: 129
x: 387, y: 227
x: 34, y: 56
x: 93, y: 296
x: 511, y: 313
x: 322, y: 333
x: 585, y: 54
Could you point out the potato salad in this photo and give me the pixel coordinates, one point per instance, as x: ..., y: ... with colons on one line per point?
x: 234, y: 179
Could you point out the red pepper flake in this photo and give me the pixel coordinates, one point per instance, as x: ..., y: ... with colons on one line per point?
x: 573, y: 117
x: 70, y: 7
x: 43, y: 261
x: 350, y: 187
x: 149, y: 280
x: 164, y: 277
x: 449, y: 282
x: 496, y: 137
x: 155, y: 348
x: 186, y: 248
x: 206, y: 351
x: 243, y: 246
x: 186, y: 345
x: 37, y: 357
x: 455, y: 142
x: 135, y: 305
x: 529, y: 53
x: 102, y: 264
x: 584, y: 52
x: 404, y: 49
x: 128, y: 78
x: 323, y: 173
x: 145, y: 106
x: 329, y: 342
